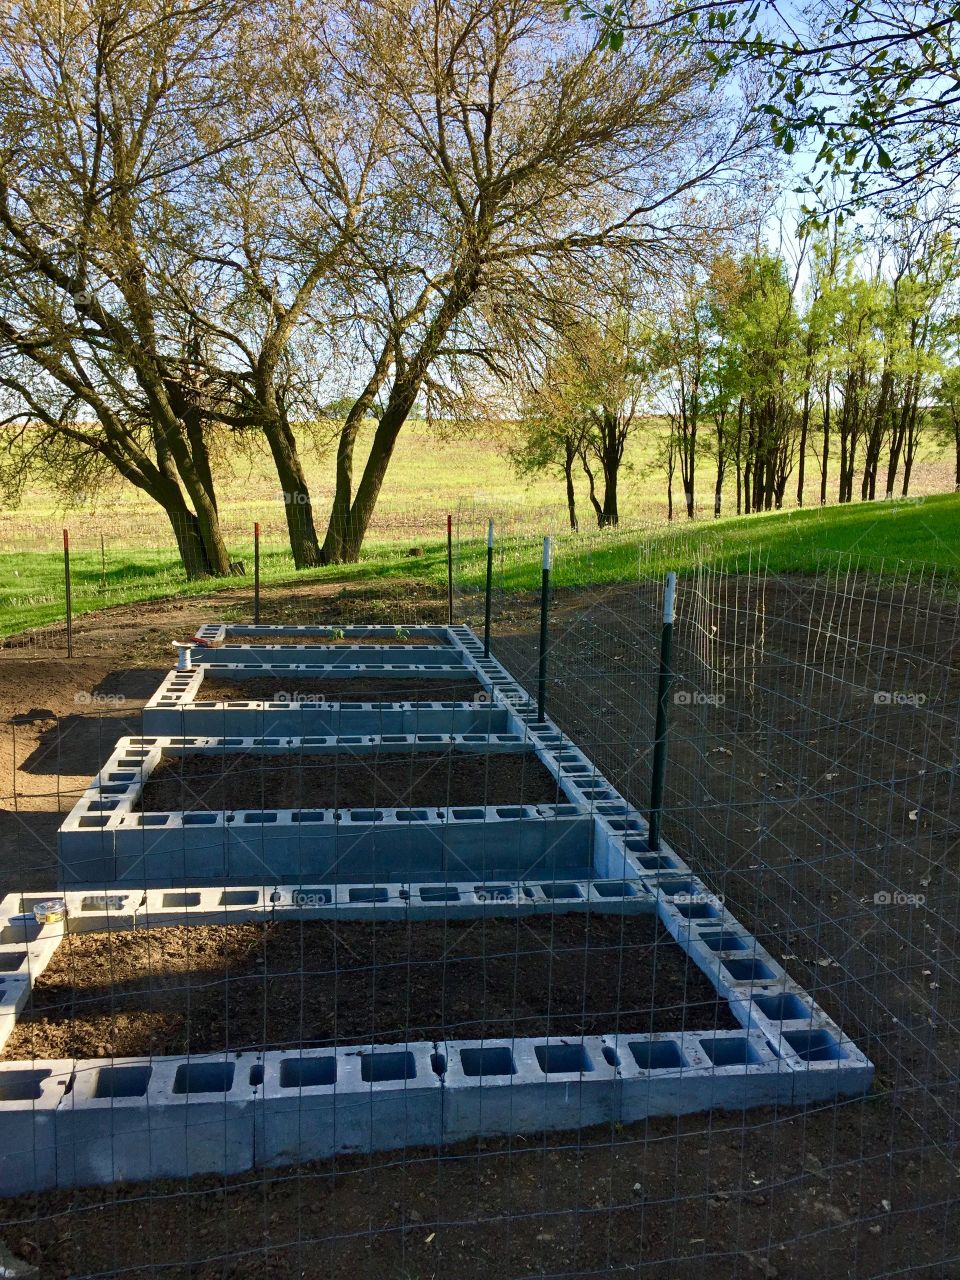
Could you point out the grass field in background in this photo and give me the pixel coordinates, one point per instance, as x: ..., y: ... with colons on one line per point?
x: 430, y: 474
x: 890, y: 536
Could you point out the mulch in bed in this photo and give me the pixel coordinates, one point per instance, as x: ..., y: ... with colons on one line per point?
x: 246, y: 780
x: 297, y: 687
x: 207, y: 989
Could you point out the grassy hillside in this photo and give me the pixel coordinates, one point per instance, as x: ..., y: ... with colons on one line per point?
x: 877, y: 536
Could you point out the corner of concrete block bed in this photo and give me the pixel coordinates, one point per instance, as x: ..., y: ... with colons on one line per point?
x: 66, y: 1123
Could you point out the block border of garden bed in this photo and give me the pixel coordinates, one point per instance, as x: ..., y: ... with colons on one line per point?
x: 280, y: 1108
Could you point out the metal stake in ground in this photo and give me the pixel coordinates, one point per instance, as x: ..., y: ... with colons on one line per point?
x: 486, y: 604
x: 449, y: 571
x: 660, y: 736
x: 67, y: 593
x: 256, y: 573
x: 544, y: 602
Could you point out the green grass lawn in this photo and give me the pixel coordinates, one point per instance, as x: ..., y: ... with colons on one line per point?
x: 888, y: 536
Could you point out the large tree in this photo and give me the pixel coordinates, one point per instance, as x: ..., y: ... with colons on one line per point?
x: 521, y: 153
x: 102, y: 105
x: 593, y: 393
x: 286, y: 217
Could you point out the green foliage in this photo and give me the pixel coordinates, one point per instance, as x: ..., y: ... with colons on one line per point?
x: 594, y: 391
x: 873, y: 83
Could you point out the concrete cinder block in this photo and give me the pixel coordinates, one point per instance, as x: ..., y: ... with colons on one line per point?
x: 392, y: 633
x: 89, y: 912
x: 132, y: 1119
x: 202, y: 906
x: 499, y: 1087
x: 673, y: 1074
x: 321, y: 1102
x: 14, y: 993
x: 257, y: 650
x: 181, y: 710
x: 825, y: 1062
x: 30, y: 1094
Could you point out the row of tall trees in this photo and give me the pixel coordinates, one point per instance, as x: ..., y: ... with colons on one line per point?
x: 771, y: 381
x: 218, y: 215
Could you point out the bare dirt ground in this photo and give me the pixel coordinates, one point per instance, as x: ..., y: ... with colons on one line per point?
x: 297, y: 687
x: 210, y: 989
x: 249, y: 781
x: 403, y: 638
x: 812, y: 781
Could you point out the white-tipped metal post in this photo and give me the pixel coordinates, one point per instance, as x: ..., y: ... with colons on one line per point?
x: 68, y: 593
x: 489, y: 591
x: 544, y: 605
x: 663, y: 694
x: 449, y: 570
x: 256, y: 573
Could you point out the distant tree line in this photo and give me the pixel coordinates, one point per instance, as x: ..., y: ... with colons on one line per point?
x: 753, y: 376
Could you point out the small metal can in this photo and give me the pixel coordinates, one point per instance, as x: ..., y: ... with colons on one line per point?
x: 51, y: 911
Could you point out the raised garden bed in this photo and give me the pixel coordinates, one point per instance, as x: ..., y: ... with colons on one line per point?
x: 246, y: 780
x: 215, y: 988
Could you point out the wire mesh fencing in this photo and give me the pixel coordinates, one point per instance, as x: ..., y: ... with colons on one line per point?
x: 811, y: 783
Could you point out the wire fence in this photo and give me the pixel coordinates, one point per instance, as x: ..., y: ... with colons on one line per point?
x: 811, y: 782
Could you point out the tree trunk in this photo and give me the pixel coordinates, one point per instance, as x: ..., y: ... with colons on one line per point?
x: 610, y: 453
x: 349, y: 521
x: 747, y: 482
x: 337, y: 526
x: 826, y: 445
x: 163, y: 489
x: 179, y: 441
x: 301, y: 530
x: 212, y: 558
x: 592, y: 488
x: 723, y: 447
x: 569, y: 455
x: 805, y: 419
x: 193, y: 554
x: 610, y: 516
x: 912, y: 444
x: 871, y: 461
x: 208, y: 523
x: 200, y: 452
x: 688, y: 467
x: 804, y: 426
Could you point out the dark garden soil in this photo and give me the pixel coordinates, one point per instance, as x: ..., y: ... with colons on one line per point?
x: 395, y: 780
x: 800, y: 797
x: 207, y: 989
x: 297, y: 687
x: 343, y: 642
